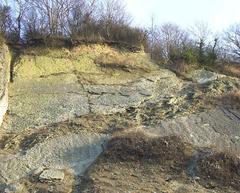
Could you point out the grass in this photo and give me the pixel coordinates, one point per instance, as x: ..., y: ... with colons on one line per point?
x: 235, y: 70
x: 231, y: 70
x: 183, y: 69
x: 227, y: 69
x: 127, y: 62
x: 230, y: 100
x: 137, y: 146
x: 85, y: 59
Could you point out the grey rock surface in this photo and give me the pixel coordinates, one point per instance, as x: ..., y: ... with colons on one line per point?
x: 218, y: 128
x: 35, y: 103
x: 73, y: 152
x: 13, y: 188
x: 4, y: 78
x: 204, y: 76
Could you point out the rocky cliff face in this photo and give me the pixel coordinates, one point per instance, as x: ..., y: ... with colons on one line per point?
x: 88, y: 118
x: 4, y: 78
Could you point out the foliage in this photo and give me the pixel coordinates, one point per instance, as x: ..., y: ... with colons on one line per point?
x: 5, y: 20
x: 170, y: 43
x: 58, y: 21
x: 190, y: 56
x: 232, y: 42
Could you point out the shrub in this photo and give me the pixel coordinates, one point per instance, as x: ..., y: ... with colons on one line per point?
x: 190, y: 56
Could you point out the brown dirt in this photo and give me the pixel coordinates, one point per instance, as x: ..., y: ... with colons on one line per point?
x: 222, y: 169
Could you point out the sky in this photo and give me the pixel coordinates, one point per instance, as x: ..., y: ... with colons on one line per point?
x: 219, y: 14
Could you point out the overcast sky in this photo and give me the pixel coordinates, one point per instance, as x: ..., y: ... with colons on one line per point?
x: 217, y: 13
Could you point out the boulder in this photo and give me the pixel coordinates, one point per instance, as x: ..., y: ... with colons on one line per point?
x: 51, y: 174
x: 204, y: 76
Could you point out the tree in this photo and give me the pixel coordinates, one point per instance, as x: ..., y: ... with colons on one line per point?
x: 42, y: 21
x: 201, y: 34
x: 212, y: 53
x: 114, y: 11
x: 82, y: 19
x: 232, y: 40
x: 56, y: 13
x: 5, y: 20
x: 113, y: 14
x: 152, y: 37
x: 168, y: 41
x: 21, y: 6
x: 174, y: 40
x: 206, y: 42
x: 35, y: 27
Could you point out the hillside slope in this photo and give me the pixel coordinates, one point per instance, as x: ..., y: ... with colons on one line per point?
x: 96, y: 118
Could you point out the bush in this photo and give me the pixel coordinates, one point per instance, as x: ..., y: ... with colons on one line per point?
x: 2, y: 40
x: 124, y: 33
x: 190, y: 56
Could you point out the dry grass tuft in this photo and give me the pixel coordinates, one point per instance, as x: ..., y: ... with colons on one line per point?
x: 232, y: 70
x: 227, y: 69
x: 231, y: 100
x: 137, y: 146
x: 88, y: 60
x: 181, y: 68
x: 121, y: 61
